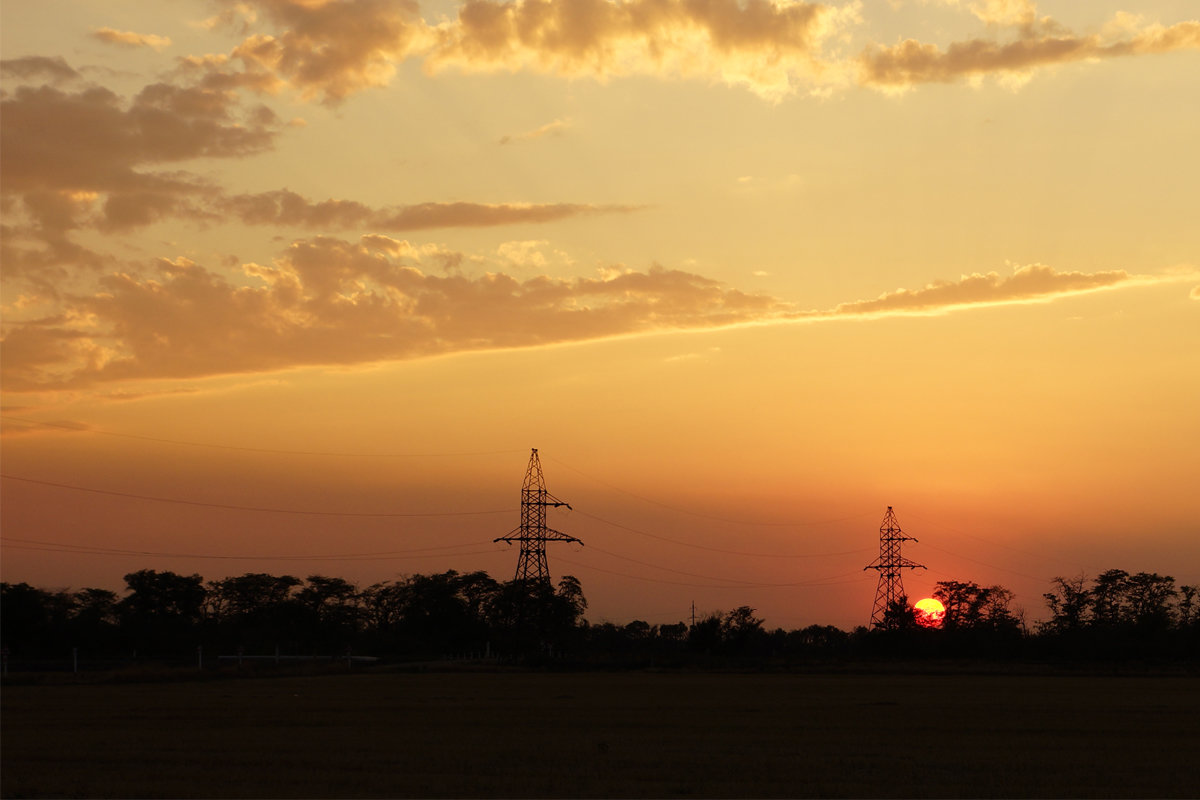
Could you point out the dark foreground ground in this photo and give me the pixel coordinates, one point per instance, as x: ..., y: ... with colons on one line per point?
x: 392, y: 734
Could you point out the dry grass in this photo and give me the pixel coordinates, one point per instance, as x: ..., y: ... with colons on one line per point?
x: 607, y: 735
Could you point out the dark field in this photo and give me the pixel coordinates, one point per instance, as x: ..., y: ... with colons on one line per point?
x: 607, y: 735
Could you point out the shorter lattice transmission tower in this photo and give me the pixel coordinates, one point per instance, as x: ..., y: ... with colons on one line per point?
x: 533, y: 533
x: 889, y: 564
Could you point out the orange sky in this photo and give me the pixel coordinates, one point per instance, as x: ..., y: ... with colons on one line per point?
x: 745, y: 273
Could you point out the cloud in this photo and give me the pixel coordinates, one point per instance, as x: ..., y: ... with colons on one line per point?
x: 131, y: 39
x: 331, y: 302
x: 1194, y: 293
x: 91, y: 140
x: 1045, y: 44
x: 328, y: 51
x: 89, y: 158
x: 765, y: 45
x: 56, y: 69
x: 1031, y: 283
x: 284, y: 207
x: 1001, y: 12
x: 327, y: 301
x: 554, y: 128
x: 324, y: 50
x: 331, y: 50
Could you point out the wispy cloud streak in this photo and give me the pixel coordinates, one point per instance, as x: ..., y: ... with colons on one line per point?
x: 912, y: 62
x: 327, y: 301
x: 131, y: 39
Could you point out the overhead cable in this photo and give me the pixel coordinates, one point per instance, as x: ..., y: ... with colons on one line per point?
x: 720, y: 549
x: 689, y: 512
x: 261, y: 509
x: 242, y: 448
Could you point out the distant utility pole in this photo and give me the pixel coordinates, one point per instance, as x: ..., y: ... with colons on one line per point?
x: 888, y: 565
x: 533, y: 533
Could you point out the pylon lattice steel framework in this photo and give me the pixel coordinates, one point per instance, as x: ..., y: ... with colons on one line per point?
x: 889, y: 564
x: 533, y: 533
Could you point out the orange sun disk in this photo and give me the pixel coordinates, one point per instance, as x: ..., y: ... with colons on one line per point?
x: 930, y: 613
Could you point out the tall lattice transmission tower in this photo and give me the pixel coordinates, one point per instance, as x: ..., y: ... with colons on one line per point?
x: 533, y: 533
x: 889, y: 564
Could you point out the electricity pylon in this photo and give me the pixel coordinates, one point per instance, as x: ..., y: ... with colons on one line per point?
x: 533, y: 533
x: 889, y: 564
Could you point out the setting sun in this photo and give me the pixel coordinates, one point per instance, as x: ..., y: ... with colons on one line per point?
x: 930, y: 613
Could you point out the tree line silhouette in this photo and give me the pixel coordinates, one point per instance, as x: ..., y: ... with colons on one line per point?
x: 166, y: 616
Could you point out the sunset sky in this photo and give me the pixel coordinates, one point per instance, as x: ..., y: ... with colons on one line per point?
x: 744, y: 272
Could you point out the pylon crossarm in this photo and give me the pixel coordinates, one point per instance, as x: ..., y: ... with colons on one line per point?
x: 548, y: 499
x: 558, y: 536
x: 509, y: 537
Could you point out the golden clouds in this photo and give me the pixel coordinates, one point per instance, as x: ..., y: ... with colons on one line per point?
x: 92, y: 140
x: 90, y: 159
x: 284, y: 207
x: 1046, y: 44
x: 1002, y: 12
x: 330, y: 301
x: 53, y: 69
x: 758, y: 43
x: 1031, y: 283
x: 131, y: 39
x: 331, y: 50
x: 554, y: 128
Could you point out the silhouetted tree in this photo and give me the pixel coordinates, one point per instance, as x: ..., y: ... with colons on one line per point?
x: 34, y: 621
x: 899, y: 616
x: 1070, y: 604
x: 637, y: 631
x: 162, y: 611
x: 1121, y: 615
x: 1110, y: 598
x: 1149, y: 601
x: 742, y: 631
x: 672, y: 632
x: 93, y: 623
x: 445, y: 612
x: 707, y: 634
x: 332, y: 611
x: 256, y: 611
x: 1188, y: 615
x: 971, y: 607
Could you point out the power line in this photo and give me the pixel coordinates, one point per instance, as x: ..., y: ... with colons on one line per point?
x: 668, y: 569
x: 719, y: 549
x: 63, y: 547
x: 788, y: 524
x: 245, y: 449
x: 989, y: 541
x: 983, y: 563
x: 830, y: 580
x: 261, y: 509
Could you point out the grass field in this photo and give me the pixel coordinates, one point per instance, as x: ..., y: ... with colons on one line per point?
x: 607, y: 735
